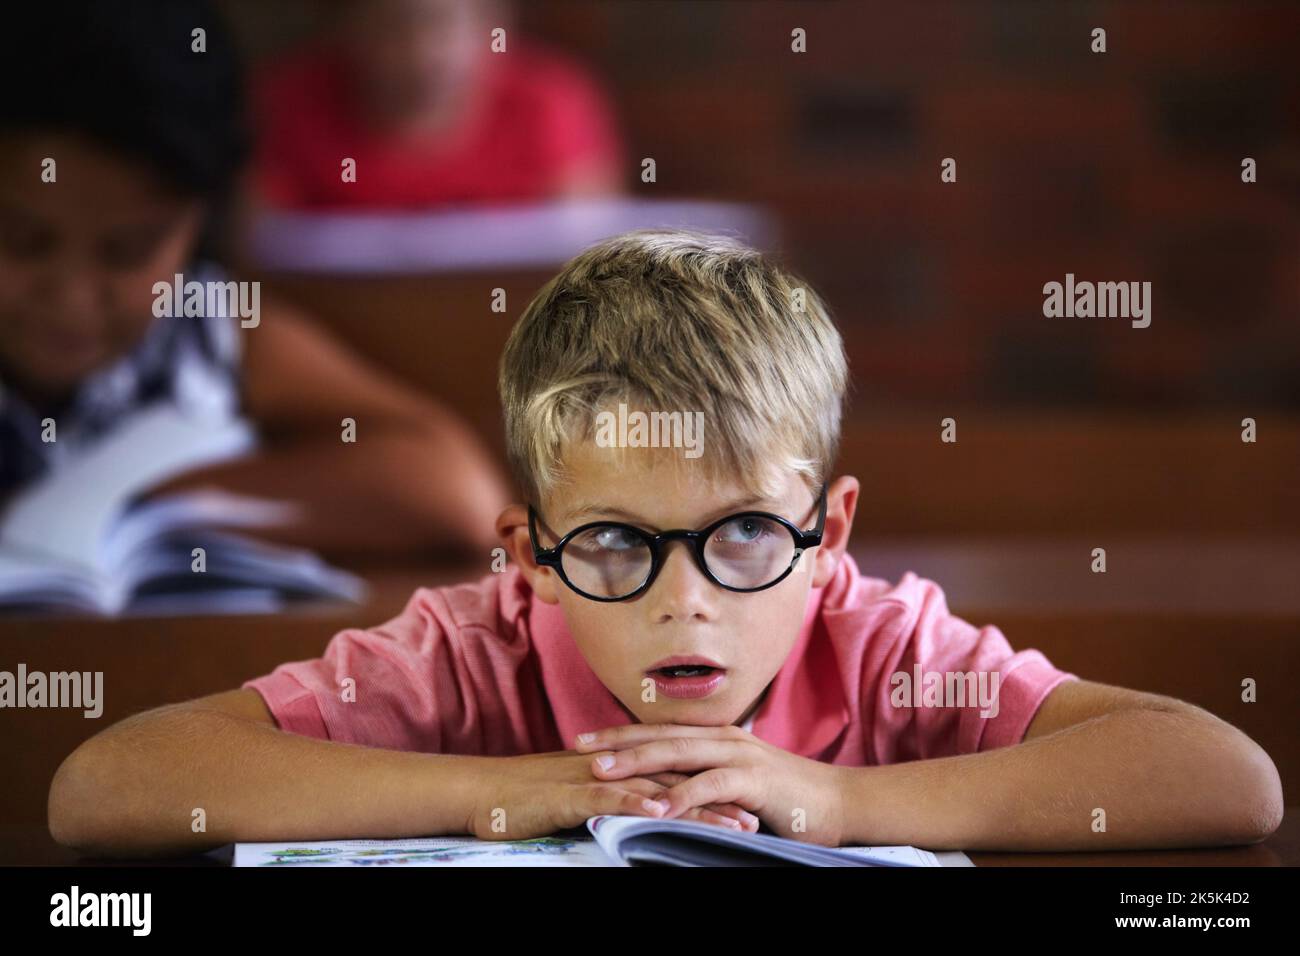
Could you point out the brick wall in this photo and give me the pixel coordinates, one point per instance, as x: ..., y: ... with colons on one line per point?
x: 1115, y: 166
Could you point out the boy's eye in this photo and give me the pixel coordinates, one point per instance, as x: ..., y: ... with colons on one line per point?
x: 607, y: 539
x: 743, y: 531
x: 614, y: 539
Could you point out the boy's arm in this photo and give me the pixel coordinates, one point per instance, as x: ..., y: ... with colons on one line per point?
x: 415, y: 478
x: 133, y: 789
x: 1165, y: 773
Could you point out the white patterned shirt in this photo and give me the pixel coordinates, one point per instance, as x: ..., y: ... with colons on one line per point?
x: 189, y: 361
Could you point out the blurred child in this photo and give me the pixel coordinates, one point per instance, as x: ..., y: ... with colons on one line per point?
x: 411, y: 90
x: 114, y: 169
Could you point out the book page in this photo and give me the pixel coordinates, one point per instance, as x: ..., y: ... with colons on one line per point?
x: 425, y: 851
x: 649, y: 838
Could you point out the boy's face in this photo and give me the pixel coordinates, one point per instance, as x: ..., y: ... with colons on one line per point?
x: 748, y: 636
x: 79, y: 257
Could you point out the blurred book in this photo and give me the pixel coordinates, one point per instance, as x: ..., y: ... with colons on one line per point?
x: 83, y: 539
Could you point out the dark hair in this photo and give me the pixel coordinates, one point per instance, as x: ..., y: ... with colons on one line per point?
x: 123, y: 73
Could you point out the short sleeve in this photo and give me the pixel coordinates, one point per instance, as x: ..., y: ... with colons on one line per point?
x: 580, y: 129
x: 294, y: 105
x: 950, y: 687
x: 418, y: 683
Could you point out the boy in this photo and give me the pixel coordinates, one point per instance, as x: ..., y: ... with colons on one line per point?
x: 112, y: 175
x: 736, y: 668
x: 413, y: 92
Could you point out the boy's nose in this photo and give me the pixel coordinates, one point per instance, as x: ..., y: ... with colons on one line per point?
x: 681, y: 592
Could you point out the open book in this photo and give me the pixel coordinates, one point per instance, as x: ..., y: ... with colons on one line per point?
x: 83, y: 539
x: 618, y: 841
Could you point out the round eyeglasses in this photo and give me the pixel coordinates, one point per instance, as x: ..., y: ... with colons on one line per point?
x: 612, y: 561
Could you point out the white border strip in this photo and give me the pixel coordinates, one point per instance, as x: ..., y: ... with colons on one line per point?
x: 467, y: 240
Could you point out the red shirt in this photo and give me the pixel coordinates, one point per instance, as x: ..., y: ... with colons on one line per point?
x: 487, y: 669
x: 541, y: 116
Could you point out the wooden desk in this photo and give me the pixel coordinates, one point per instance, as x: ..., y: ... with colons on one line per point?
x: 1281, y: 849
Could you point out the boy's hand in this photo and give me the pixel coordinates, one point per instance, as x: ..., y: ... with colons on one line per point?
x: 794, y: 796
x: 538, y: 794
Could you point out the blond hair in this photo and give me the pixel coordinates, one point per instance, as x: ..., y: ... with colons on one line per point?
x: 682, y: 320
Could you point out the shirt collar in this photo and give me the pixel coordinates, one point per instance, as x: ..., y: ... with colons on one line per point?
x: 803, y: 712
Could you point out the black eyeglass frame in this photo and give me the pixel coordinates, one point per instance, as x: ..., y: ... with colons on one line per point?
x: 553, y: 557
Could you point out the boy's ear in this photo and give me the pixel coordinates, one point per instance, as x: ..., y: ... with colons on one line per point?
x: 841, y: 502
x: 512, y: 527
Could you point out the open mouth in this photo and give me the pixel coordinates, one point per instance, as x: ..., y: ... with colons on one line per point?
x: 687, y: 679
x: 685, y: 670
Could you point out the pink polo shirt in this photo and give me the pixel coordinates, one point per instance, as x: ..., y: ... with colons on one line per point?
x: 486, y: 668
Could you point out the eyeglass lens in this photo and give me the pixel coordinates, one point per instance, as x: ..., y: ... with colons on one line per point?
x: 607, y: 561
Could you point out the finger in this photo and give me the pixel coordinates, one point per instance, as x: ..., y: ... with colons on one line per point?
x: 732, y: 811
x: 705, y: 815
x: 746, y: 819
x: 629, y: 735
x: 726, y: 785
x: 645, y: 786
x: 666, y: 779
x: 674, y: 753
x: 602, y: 798
x: 653, y: 784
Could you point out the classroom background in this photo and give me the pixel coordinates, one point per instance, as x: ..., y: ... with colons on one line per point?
x: 1073, y: 433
